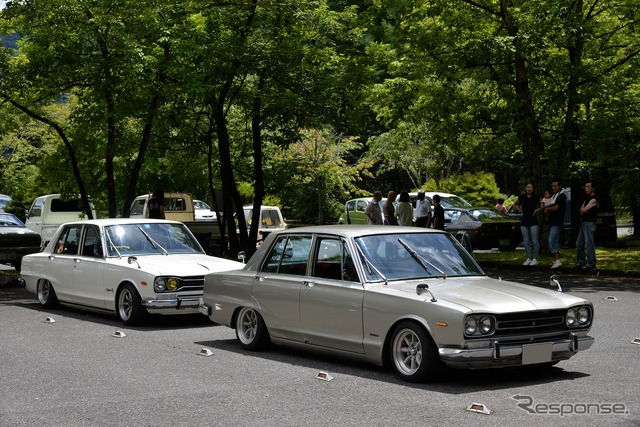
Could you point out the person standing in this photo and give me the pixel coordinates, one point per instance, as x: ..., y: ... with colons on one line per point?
x: 527, y: 203
x: 423, y: 210
x: 388, y: 210
x: 555, y: 220
x: 404, y: 210
x: 438, y: 213
x: 588, y: 215
x: 374, y: 215
x: 156, y: 204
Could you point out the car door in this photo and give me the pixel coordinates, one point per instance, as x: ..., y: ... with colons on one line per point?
x: 331, y: 299
x: 61, y: 263
x: 277, y: 285
x: 88, y: 270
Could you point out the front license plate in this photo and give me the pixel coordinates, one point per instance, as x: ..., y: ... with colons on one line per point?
x: 536, y: 353
x: 504, y: 242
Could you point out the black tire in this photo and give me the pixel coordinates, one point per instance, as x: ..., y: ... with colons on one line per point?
x: 47, y: 295
x: 251, y: 330
x: 413, y: 354
x: 17, y: 265
x: 129, y: 306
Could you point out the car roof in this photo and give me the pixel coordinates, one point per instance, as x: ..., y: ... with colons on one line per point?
x: 356, y: 230
x: 121, y: 221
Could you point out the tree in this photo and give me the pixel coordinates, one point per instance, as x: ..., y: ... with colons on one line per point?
x: 317, y: 165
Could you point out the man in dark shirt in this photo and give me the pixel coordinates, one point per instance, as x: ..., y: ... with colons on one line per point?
x: 555, y: 220
x: 588, y: 214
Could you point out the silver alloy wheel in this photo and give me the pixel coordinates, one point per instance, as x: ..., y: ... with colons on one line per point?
x: 125, y: 304
x: 407, y: 352
x: 247, y: 326
x: 44, y: 292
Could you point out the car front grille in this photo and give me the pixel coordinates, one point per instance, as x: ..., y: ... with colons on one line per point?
x: 192, y: 283
x: 531, y: 322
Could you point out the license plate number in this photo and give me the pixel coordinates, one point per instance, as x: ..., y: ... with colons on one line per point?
x: 504, y: 242
x: 8, y: 256
x: 536, y: 353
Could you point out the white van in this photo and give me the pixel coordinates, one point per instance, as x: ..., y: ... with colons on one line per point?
x: 48, y: 212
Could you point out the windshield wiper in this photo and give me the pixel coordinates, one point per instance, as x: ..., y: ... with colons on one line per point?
x: 153, y: 242
x: 423, y: 262
x: 370, y: 266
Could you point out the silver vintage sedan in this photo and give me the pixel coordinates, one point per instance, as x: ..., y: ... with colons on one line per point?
x: 409, y: 297
x: 130, y: 267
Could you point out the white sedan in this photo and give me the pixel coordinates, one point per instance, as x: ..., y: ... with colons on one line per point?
x: 125, y: 266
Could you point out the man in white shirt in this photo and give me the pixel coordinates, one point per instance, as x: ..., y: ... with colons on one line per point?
x: 423, y: 210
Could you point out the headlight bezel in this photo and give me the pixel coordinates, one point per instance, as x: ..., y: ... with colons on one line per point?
x: 479, y: 325
x: 163, y: 284
x: 579, y: 316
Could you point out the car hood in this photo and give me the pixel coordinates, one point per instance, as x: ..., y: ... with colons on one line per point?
x: 184, y: 265
x: 16, y: 230
x: 487, y: 295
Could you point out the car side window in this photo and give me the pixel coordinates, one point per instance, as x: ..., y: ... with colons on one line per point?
x: 362, y: 205
x: 68, y: 241
x: 351, y: 205
x: 92, y: 246
x: 289, y: 255
x: 334, y: 261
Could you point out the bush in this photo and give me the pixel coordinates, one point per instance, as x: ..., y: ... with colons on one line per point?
x: 479, y: 189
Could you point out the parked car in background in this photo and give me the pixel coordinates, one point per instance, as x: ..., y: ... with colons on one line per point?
x: 48, y: 212
x: 16, y: 240
x: 484, y: 228
x: 203, y: 211
x: 270, y: 218
x: 354, y: 209
x: 406, y: 297
x: 4, y: 201
x: 130, y: 267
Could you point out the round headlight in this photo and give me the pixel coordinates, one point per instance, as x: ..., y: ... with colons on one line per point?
x: 159, y: 285
x: 471, y: 326
x: 172, y: 284
x: 583, y: 315
x: 486, y: 325
x: 571, y: 318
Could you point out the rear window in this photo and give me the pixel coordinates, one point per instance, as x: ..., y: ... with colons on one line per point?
x: 73, y: 205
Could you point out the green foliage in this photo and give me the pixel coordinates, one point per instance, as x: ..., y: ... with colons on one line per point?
x: 479, y: 189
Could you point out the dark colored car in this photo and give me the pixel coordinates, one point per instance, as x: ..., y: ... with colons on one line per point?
x: 16, y: 240
x: 482, y: 228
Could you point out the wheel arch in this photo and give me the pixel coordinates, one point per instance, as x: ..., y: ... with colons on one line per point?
x: 421, y: 322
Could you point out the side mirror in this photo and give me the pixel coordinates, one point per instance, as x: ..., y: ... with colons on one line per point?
x: 242, y: 255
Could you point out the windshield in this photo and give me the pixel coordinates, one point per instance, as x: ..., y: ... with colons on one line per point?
x: 453, y: 202
x: 488, y: 214
x: 414, y: 256
x: 150, y: 239
x: 9, y: 220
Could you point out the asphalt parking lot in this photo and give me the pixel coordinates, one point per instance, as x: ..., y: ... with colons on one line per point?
x: 75, y: 372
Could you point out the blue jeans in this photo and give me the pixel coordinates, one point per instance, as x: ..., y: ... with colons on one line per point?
x: 585, y: 239
x: 554, y: 238
x: 530, y: 236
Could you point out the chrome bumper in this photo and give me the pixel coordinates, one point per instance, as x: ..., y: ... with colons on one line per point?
x: 499, y: 354
x: 174, y: 302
